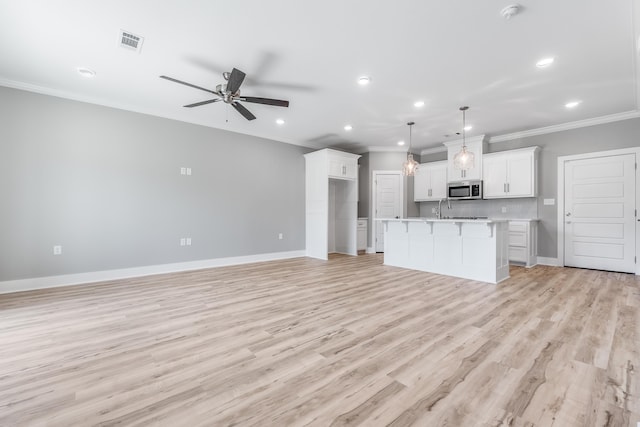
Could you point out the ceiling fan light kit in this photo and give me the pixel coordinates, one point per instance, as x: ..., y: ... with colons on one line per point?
x: 464, y: 160
x: 230, y: 94
x: 510, y: 11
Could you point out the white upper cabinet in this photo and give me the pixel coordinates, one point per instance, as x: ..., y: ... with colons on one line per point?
x: 474, y: 145
x: 511, y: 173
x: 430, y: 182
x: 342, y: 166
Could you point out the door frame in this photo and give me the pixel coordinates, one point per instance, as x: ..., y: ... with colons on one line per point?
x: 374, y: 187
x: 561, y: 169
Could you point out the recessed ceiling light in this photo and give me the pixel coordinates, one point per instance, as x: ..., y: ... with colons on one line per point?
x: 572, y: 104
x: 468, y: 128
x: 280, y: 121
x: 348, y: 127
x: 418, y: 104
x: 86, y: 72
x: 364, y: 80
x: 400, y: 143
x: 544, y: 63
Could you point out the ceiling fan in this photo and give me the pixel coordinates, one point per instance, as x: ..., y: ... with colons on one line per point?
x: 230, y: 94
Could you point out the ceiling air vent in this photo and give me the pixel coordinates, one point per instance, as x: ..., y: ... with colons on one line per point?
x: 130, y: 41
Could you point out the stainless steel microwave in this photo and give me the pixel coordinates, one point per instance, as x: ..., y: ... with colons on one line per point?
x: 465, y: 190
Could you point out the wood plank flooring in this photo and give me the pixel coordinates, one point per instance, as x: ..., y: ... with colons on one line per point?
x: 342, y: 342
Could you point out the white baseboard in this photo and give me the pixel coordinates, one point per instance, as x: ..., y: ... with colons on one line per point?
x: 371, y: 250
x: 548, y: 261
x: 125, y: 273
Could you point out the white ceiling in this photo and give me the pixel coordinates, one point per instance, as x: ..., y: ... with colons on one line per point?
x: 446, y: 53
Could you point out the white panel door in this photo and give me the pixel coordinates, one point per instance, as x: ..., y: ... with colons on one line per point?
x: 388, y: 203
x: 599, y: 215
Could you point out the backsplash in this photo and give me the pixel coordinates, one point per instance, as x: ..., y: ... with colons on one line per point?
x: 515, y: 208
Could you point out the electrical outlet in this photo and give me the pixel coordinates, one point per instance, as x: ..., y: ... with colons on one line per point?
x: 549, y: 202
x: 183, y: 241
x: 188, y: 171
x: 188, y: 241
x: 57, y: 250
x: 433, y: 210
x: 504, y: 209
x: 183, y: 171
x: 280, y: 236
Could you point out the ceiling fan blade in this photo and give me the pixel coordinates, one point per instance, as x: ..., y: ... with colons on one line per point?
x: 197, y: 104
x: 242, y: 110
x: 266, y: 101
x: 171, y: 79
x: 235, y: 80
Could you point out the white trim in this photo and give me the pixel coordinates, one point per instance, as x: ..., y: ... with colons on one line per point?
x: 374, y: 185
x: 548, y: 261
x: 478, y: 138
x: 125, y: 273
x: 560, y: 214
x: 371, y: 250
x: 567, y: 126
x: 387, y: 149
x: 433, y: 150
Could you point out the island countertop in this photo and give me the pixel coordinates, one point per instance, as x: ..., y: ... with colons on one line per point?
x: 446, y: 219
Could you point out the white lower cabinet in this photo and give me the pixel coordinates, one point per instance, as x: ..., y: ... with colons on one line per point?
x: 362, y: 234
x: 523, y: 242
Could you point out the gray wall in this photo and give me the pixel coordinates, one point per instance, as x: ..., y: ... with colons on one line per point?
x: 610, y: 136
x: 383, y: 161
x: 106, y: 185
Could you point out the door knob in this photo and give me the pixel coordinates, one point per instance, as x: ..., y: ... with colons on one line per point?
x: 568, y: 214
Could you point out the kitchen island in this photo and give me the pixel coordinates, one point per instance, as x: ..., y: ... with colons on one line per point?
x: 476, y: 249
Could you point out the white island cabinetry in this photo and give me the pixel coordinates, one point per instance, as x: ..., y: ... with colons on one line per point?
x: 472, y: 249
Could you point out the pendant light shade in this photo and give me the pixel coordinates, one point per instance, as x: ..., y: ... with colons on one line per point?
x: 410, y: 166
x: 464, y: 160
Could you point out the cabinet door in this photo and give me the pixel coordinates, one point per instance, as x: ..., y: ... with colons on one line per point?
x: 343, y: 168
x: 455, y: 174
x: 494, y: 171
x: 336, y: 168
x: 421, y: 184
x: 439, y: 182
x: 350, y: 168
x: 520, y: 175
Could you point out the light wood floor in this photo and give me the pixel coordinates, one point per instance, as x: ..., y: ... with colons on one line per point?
x: 307, y: 342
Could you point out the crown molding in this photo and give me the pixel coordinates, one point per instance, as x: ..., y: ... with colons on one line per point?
x: 433, y: 150
x: 387, y: 149
x: 477, y: 138
x: 567, y: 126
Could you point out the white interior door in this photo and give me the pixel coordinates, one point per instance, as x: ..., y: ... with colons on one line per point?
x: 599, y: 213
x: 388, y: 202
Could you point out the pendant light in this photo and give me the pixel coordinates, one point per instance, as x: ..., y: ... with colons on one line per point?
x: 409, y: 167
x: 464, y: 160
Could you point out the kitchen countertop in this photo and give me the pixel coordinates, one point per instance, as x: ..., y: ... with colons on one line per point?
x: 427, y: 219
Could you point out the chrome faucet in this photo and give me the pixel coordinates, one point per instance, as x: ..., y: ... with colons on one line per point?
x: 439, y: 210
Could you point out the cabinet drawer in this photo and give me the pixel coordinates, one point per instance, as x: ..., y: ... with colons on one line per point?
x: 518, y: 226
x: 517, y: 239
x: 517, y: 254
